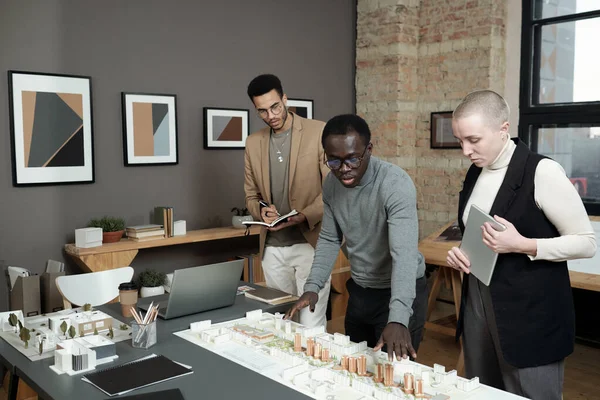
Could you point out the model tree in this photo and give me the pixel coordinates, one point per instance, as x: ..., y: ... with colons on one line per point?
x: 72, y: 332
x: 41, y: 345
x: 87, y: 307
x: 110, y: 333
x: 25, y: 336
x: 63, y: 328
x: 12, y: 320
x: 95, y: 331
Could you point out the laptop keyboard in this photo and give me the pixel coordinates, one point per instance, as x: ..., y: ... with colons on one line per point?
x: 162, y: 305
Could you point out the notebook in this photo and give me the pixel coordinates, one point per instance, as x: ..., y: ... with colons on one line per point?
x: 482, y: 258
x: 172, y: 394
x: 283, y: 218
x: 267, y: 295
x: 136, y: 374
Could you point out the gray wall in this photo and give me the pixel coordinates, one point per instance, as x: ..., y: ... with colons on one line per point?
x: 205, y: 53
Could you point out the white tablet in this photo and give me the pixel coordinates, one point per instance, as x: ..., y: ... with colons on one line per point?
x: 482, y: 258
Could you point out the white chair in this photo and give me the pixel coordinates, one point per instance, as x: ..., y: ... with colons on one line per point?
x: 95, y: 288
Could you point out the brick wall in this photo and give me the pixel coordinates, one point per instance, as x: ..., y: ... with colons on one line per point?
x: 415, y: 57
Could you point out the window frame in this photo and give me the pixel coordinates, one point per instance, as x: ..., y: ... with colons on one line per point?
x: 532, y: 113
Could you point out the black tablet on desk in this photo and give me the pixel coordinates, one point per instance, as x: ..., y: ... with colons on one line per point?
x: 173, y: 394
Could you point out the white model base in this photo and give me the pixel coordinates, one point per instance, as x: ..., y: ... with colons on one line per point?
x: 312, y: 365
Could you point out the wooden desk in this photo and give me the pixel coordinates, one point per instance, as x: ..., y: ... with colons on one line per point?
x: 435, y: 253
x: 122, y: 253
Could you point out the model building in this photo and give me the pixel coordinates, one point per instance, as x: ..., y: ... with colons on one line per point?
x: 322, y: 364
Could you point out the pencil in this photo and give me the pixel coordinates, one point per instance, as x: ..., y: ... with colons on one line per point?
x: 135, y: 315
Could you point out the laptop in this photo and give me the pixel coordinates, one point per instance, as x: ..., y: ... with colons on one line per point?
x: 482, y: 258
x: 202, y: 288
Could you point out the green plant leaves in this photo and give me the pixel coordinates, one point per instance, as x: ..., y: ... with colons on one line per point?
x: 152, y: 278
x: 108, y: 224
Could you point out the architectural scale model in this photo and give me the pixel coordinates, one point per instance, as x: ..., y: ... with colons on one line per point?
x: 5, y: 325
x: 82, y: 354
x: 323, y: 365
x: 86, y: 322
x: 49, y: 330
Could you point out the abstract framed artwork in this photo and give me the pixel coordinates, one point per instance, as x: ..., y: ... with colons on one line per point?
x: 302, y: 107
x: 441, y: 131
x: 51, y: 128
x: 225, y: 128
x: 149, y: 129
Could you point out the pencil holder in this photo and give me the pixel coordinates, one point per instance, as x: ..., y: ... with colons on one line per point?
x: 143, y: 336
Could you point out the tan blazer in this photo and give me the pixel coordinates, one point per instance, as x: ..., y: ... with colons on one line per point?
x: 307, y: 172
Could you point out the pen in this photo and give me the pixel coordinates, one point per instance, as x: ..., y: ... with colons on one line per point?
x: 264, y: 204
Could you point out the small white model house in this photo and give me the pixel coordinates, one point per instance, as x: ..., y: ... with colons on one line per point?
x: 82, y: 354
x: 85, y: 323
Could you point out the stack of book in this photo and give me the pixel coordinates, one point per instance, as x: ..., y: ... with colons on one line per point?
x: 141, y: 233
x: 163, y: 215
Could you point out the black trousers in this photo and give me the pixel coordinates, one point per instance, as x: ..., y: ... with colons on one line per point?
x: 368, y: 309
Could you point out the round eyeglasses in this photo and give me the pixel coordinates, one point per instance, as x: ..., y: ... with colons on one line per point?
x: 275, y: 109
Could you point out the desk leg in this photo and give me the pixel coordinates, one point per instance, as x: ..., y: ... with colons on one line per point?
x: 452, y: 277
x: 105, y: 261
x: 435, y: 291
x: 13, y: 386
x: 447, y: 276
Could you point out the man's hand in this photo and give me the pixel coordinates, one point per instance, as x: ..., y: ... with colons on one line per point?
x: 269, y: 214
x: 294, y: 220
x: 397, y: 338
x: 307, y: 299
x: 458, y: 260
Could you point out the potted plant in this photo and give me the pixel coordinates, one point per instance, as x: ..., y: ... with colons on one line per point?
x: 240, y: 215
x: 151, y: 283
x: 112, y: 228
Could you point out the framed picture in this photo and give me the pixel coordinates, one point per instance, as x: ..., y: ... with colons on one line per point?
x: 302, y: 107
x: 225, y: 128
x: 51, y: 128
x: 149, y: 129
x: 441, y: 131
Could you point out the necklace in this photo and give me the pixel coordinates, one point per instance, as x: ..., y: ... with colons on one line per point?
x: 279, y: 149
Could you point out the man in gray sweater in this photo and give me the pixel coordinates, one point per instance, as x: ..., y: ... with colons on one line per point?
x: 372, y: 205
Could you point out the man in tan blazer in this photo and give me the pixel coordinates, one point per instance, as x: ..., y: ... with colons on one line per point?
x: 285, y: 169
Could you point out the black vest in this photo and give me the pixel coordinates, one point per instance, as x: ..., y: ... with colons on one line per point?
x: 532, y: 300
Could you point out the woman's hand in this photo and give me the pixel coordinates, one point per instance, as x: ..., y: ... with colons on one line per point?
x: 507, y: 241
x: 458, y: 260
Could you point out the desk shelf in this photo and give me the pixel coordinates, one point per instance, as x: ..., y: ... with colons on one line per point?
x: 121, y: 254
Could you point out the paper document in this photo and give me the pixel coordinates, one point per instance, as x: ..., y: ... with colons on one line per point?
x: 14, y: 273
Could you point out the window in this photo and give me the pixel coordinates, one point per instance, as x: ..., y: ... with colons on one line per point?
x: 560, y: 89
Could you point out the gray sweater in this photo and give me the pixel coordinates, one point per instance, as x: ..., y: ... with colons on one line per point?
x: 378, y: 219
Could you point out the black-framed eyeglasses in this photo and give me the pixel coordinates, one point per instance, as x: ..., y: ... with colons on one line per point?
x: 352, y: 162
x: 275, y: 110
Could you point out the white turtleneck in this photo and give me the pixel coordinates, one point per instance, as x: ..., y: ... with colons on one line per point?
x: 554, y: 194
